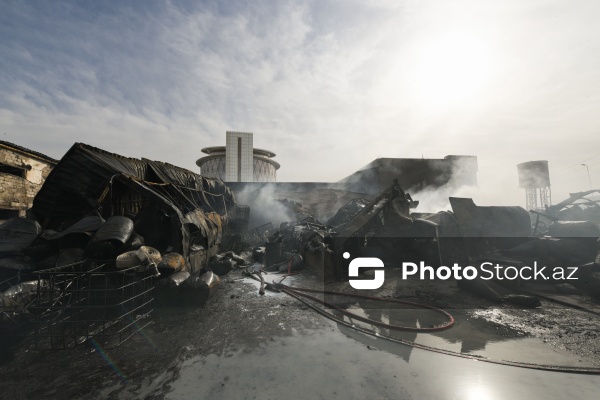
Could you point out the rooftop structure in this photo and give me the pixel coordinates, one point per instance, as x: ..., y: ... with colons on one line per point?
x: 238, y: 161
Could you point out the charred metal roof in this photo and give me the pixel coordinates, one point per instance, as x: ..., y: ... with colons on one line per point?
x: 78, y: 181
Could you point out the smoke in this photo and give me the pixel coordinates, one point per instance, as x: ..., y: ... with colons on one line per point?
x: 433, y: 199
x: 322, y: 201
x: 264, y: 206
x: 317, y: 199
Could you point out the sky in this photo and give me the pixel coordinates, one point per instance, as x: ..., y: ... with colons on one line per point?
x: 328, y: 85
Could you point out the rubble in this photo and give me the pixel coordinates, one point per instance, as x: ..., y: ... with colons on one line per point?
x: 110, y: 204
x: 257, y: 235
x: 105, y: 212
x: 19, y: 297
x: 186, y: 233
x: 197, y: 290
x: 16, y: 234
x: 386, y: 228
x: 110, y: 238
x: 171, y: 263
x: 578, y: 207
x: 347, y: 212
x: 221, y: 265
x: 172, y: 209
x: 174, y: 280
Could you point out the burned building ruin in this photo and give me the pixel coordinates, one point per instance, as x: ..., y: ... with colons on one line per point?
x: 22, y: 174
x: 173, y: 209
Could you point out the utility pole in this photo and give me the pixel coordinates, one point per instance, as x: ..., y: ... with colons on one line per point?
x: 589, y: 179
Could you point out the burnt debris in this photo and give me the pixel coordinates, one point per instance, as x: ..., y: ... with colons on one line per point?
x: 175, y: 235
x: 107, y: 213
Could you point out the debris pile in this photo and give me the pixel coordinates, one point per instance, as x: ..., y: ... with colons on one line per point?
x: 186, y: 232
x: 388, y: 228
x: 105, y: 209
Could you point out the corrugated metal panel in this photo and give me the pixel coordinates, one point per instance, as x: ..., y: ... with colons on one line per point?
x: 76, y: 184
x: 72, y: 187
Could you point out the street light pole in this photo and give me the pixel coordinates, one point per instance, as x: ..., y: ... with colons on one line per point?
x: 589, y: 179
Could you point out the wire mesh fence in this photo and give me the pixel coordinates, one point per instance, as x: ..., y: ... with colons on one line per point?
x: 86, y: 300
x: 238, y: 222
x: 15, y: 298
x: 257, y: 235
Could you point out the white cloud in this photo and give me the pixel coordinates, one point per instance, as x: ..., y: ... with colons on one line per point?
x: 327, y: 85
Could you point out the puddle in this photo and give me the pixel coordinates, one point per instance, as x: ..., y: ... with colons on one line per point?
x: 469, y: 334
x: 336, y: 363
x: 269, y: 277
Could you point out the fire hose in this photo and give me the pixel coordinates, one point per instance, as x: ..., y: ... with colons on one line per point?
x: 300, y: 294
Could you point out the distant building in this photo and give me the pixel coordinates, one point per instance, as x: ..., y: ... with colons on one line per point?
x: 22, y: 173
x: 534, y: 177
x: 238, y: 161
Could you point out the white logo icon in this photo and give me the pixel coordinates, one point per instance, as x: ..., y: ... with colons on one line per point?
x: 365, y: 262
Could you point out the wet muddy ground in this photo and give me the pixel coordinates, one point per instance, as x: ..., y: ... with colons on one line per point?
x: 242, y: 345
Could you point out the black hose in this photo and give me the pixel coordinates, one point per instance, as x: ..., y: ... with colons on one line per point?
x: 294, y: 292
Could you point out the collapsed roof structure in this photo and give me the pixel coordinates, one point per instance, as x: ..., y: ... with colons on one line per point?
x: 172, y: 208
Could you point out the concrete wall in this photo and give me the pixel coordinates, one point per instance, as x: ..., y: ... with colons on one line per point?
x: 17, y: 192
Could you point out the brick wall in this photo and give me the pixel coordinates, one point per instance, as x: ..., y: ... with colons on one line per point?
x: 17, y: 193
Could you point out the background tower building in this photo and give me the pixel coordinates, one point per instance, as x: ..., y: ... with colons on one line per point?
x: 238, y: 161
x: 534, y: 177
x: 238, y: 157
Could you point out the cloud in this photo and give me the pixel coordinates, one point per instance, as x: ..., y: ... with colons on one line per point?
x: 327, y: 85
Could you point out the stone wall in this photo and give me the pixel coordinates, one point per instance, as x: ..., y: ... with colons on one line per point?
x: 17, y: 192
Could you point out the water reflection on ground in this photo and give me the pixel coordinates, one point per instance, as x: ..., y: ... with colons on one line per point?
x: 339, y: 362
x: 469, y: 335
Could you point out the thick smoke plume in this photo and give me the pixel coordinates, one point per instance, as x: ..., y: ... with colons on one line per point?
x: 434, y: 199
x: 264, y: 206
